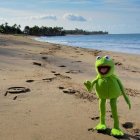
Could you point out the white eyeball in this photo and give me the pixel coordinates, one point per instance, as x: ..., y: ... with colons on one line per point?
x: 98, y: 57
x: 107, y: 57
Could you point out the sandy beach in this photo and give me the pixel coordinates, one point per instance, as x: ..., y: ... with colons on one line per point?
x: 56, y: 105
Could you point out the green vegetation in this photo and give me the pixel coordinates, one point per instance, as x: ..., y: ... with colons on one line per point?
x: 44, y: 31
x: 83, y: 32
x: 6, y: 29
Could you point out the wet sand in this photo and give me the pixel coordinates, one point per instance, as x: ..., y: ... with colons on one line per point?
x: 57, y: 106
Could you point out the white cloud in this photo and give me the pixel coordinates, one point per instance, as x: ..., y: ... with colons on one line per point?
x: 74, y: 17
x: 9, y: 13
x: 51, y: 17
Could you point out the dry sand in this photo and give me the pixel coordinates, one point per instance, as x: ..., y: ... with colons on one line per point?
x: 57, y: 107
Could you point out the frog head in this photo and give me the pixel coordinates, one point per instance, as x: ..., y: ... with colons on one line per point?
x: 104, y: 66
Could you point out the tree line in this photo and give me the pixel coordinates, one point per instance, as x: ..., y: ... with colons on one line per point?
x: 43, y: 30
x: 83, y: 32
x: 6, y: 29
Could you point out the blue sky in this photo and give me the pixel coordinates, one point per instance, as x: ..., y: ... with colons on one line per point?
x: 115, y: 16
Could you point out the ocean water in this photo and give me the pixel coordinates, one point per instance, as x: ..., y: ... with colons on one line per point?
x: 126, y: 43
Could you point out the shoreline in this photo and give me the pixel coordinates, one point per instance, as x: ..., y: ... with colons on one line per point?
x: 33, y: 38
x: 119, y: 51
x: 57, y: 106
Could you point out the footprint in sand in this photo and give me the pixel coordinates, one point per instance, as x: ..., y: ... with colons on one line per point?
x: 62, y: 66
x: 96, y: 52
x: 74, y: 71
x: 90, y: 129
x: 53, y: 71
x: 118, y: 63
x: 49, y: 79
x: 95, y: 118
x: 76, y: 61
x: 78, y: 93
x: 60, y: 87
x: 67, y: 91
x: 85, y: 95
x: 135, y: 71
x: 44, y: 58
x: 62, y: 76
x: 57, y: 74
x: 36, y: 63
x: 29, y: 81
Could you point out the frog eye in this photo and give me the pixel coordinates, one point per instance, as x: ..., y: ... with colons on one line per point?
x: 98, y: 57
x: 107, y: 57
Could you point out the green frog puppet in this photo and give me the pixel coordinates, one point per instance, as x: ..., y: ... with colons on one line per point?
x: 108, y: 86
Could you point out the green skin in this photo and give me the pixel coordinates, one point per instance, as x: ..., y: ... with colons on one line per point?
x: 108, y: 86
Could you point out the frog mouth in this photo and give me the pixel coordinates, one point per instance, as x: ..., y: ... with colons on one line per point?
x: 103, y: 69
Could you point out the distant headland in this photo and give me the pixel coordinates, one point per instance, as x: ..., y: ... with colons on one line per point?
x: 45, y: 31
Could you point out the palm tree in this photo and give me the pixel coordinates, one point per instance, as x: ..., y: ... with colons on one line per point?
x: 26, y: 30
